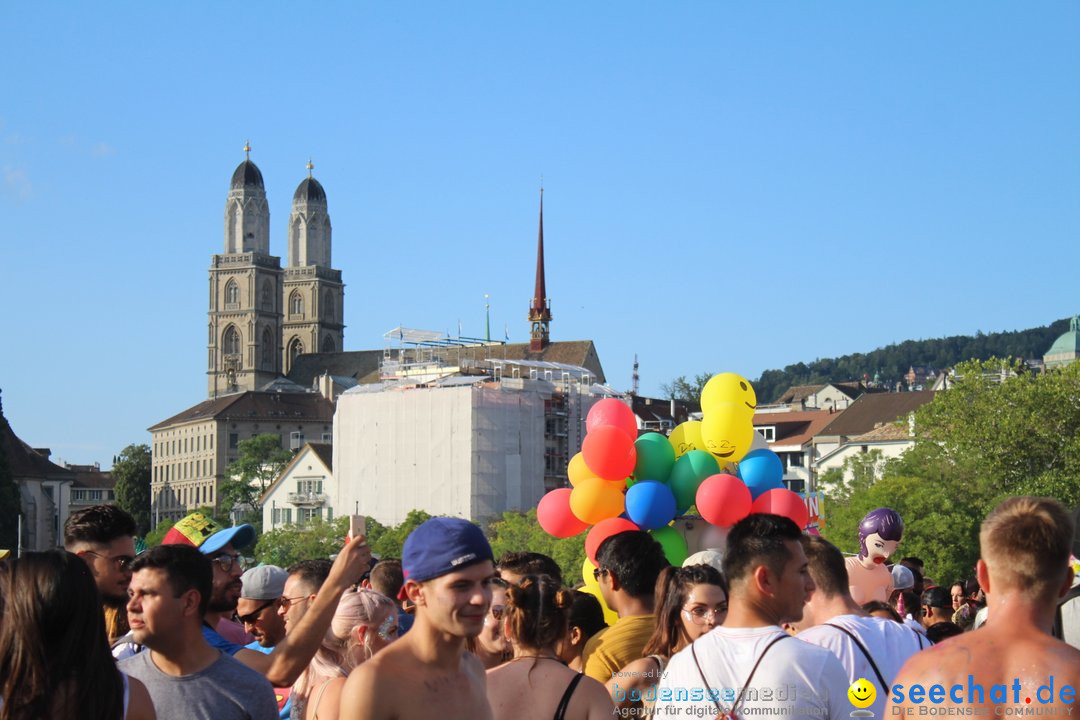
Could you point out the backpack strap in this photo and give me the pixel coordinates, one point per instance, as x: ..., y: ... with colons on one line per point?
x: 869, y: 658
x: 738, y: 701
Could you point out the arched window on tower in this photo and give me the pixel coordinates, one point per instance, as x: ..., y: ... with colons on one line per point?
x: 328, y: 345
x: 296, y: 303
x: 231, y: 344
x: 232, y: 293
x: 328, y: 305
x: 266, y: 352
x: 295, y: 348
x: 267, y: 295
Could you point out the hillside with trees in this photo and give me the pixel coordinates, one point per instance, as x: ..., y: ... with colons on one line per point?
x: 889, y: 364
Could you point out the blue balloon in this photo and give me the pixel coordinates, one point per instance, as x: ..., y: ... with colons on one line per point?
x: 762, y: 470
x: 650, y: 504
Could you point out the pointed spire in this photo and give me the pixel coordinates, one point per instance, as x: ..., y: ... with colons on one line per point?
x: 539, y: 310
x: 310, y: 167
x: 247, y: 149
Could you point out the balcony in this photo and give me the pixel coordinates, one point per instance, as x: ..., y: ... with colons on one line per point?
x: 308, y: 499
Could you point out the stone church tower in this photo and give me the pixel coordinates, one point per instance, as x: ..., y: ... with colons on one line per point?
x: 313, y: 293
x: 244, y: 343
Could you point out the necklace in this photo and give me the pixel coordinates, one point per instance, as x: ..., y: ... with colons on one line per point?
x: 537, y: 657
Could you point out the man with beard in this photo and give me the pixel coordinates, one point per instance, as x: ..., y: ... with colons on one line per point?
x: 293, y: 653
x: 103, y: 536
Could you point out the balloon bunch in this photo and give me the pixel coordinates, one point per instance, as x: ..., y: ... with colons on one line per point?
x: 620, y: 481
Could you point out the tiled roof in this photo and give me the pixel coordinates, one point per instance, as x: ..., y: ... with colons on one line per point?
x: 873, y: 409
x: 795, y: 393
x: 795, y: 428
x: 355, y: 364
x: 654, y: 410
x: 325, y: 451
x: 94, y: 480
x: 883, y: 433
x: 253, y: 404
x: 23, y: 460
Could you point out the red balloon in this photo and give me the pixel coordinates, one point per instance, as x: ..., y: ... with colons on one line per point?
x: 781, y: 501
x: 609, y: 452
x: 610, y: 411
x: 602, y: 530
x: 553, y: 514
x: 723, y: 500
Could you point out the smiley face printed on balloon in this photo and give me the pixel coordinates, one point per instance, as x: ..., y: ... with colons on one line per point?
x: 862, y: 693
x: 729, y: 388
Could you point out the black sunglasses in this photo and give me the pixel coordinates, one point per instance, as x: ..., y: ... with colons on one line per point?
x: 252, y: 616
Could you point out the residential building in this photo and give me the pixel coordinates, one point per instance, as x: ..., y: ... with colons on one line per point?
x: 303, y: 491
x: 790, y: 435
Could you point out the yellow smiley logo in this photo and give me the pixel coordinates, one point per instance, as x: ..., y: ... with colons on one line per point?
x: 861, y: 693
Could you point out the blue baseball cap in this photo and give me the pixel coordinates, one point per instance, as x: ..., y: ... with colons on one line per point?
x: 442, y: 545
x: 239, y: 535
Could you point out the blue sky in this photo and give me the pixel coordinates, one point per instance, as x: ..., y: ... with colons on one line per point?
x: 728, y: 186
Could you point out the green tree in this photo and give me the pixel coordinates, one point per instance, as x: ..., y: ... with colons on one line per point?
x: 9, y: 494
x: 684, y: 388
x: 293, y: 543
x: 518, y: 531
x: 388, y: 541
x: 261, y: 459
x: 132, y: 471
x: 155, y: 536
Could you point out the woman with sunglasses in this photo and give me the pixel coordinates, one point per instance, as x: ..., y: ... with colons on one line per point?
x: 690, y: 601
x: 535, y: 684
x: 364, y: 623
x: 491, y: 645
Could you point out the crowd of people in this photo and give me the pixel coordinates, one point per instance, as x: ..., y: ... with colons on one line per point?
x: 768, y: 627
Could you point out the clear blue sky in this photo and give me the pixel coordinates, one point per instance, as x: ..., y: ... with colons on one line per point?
x: 729, y: 186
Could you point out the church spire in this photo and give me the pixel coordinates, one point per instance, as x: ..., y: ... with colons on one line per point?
x: 539, y: 308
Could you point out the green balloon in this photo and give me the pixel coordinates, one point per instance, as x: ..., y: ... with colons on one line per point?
x: 673, y: 542
x: 655, y: 457
x: 689, y: 472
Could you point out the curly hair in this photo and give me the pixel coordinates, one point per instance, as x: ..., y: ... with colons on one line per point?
x: 537, y: 612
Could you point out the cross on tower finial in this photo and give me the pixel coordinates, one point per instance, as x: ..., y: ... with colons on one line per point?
x: 310, y: 167
x: 247, y: 149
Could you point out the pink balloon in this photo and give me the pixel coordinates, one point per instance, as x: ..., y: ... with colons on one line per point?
x: 610, y: 411
x: 723, y: 500
x: 609, y: 452
x: 781, y: 501
x: 553, y: 514
x: 602, y: 530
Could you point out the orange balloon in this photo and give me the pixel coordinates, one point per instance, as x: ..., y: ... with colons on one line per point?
x: 593, y: 500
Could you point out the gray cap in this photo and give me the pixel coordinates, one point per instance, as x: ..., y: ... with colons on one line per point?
x: 265, y: 582
x: 902, y: 578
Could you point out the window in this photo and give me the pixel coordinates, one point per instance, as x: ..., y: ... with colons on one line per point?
x: 234, y: 440
x: 327, y: 438
x: 328, y: 305
x: 267, y: 300
x: 296, y: 304
x: 232, y: 292
x: 328, y: 345
x: 296, y: 440
x: 267, y: 349
x: 768, y: 432
x: 232, y: 341
x: 295, y: 348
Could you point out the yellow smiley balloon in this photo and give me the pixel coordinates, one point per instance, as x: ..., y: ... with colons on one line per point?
x: 862, y: 693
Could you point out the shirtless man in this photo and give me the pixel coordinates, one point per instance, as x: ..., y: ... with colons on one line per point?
x: 1012, y: 662
x: 448, y: 567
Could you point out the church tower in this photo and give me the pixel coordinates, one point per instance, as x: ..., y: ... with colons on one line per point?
x: 244, y: 343
x: 540, y: 307
x: 313, y: 293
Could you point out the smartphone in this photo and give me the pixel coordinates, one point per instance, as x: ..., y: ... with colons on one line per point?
x: 357, y: 526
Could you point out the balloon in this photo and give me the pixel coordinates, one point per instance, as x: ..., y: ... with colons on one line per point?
x: 577, y: 470
x: 783, y: 502
x: 673, y: 542
x: 594, y: 500
x: 602, y: 531
x: 729, y: 388
x: 610, y: 411
x: 686, y: 436
x: 609, y: 452
x: 650, y: 504
x: 727, y: 433
x: 655, y: 456
x: 723, y: 500
x: 592, y: 586
x: 761, y: 470
x: 554, y: 515
x: 686, y: 476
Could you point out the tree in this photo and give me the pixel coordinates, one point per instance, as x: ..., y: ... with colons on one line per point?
x: 517, y: 531
x: 132, y: 472
x: 388, y: 541
x: 10, y: 506
x: 261, y: 459
x: 293, y: 543
x: 686, y: 389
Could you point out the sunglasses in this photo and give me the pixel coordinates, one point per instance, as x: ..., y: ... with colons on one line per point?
x: 597, y: 572
x: 286, y: 602
x: 252, y: 616
x: 122, y: 562
x: 226, y: 562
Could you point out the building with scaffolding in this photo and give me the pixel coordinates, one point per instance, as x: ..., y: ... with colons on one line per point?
x: 455, y: 428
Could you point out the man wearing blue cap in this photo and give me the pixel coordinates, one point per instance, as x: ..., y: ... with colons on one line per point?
x: 448, y: 567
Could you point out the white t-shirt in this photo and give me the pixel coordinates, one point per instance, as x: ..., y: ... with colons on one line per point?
x: 794, y: 679
x: 888, y: 642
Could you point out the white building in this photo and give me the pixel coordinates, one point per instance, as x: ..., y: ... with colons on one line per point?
x: 303, y: 490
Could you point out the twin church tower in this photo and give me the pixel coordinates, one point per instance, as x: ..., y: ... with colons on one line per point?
x: 262, y: 315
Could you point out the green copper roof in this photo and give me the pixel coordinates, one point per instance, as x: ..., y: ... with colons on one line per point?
x: 1069, y: 342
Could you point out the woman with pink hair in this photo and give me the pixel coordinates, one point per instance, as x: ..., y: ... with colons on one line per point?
x: 364, y: 623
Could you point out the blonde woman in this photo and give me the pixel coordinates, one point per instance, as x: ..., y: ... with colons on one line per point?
x: 365, y: 622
